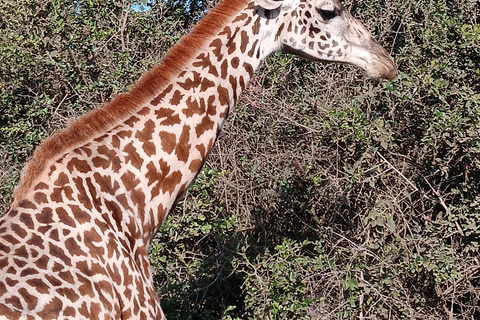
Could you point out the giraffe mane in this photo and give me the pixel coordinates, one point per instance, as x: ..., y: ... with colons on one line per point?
x: 150, y: 84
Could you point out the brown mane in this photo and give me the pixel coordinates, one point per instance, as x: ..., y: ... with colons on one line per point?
x: 150, y: 84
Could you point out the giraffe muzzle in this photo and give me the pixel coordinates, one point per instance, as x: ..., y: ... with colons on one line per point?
x: 379, y: 63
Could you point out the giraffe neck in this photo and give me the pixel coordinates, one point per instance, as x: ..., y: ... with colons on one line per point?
x: 131, y: 174
x: 175, y: 131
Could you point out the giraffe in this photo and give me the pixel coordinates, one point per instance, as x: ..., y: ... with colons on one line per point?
x: 74, y: 243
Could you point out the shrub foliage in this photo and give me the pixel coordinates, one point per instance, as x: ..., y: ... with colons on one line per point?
x: 327, y: 196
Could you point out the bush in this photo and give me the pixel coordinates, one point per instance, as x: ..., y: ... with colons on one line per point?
x: 327, y: 196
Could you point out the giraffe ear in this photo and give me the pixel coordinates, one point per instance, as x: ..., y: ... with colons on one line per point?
x: 269, y: 4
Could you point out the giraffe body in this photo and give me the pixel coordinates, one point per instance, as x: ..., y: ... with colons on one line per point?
x: 74, y: 243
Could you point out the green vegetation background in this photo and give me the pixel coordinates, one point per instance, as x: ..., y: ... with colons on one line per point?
x: 328, y: 195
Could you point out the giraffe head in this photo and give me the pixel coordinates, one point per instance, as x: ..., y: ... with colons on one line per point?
x: 323, y: 30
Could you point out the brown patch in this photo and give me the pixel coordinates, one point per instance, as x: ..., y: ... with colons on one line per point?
x: 57, y: 194
x: 193, y: 107
x: 41, y: 186
x: 244, y: 41
x: 18, y: 230
x: 223, y: 96
x: 11, y: 282
x: 242, y: 83
x: 81, y: 166
x: 211, y: 108
x: 54, y: 235
x: 210, y: 144
x: 248, y: 67
x: 195, y: 165
x: 122, y: 199
x: 57, y: 266
x: 84, y: 309
x: 66, y: 276
x: 59, y: 253
x: 92, y: 236
x: 115, y: 212
x: 62, y: 179
x: 12, y: 314
x: 144, y: 111
x: 42, y: 262
x: 189, y: 83
x: 51, y: 310
x: 132, y: 156
x: 111, y: 156
x: 217, y: 45
x: 177, y: 98
x: 28, y: 272
x: 3, y: 289
x: 68, y: 293
x: 256, y: 26
x: 69, y: 312
x: 45, y: 217
x: 73, y: 248
x: 18, y: 264
x: 131, y: 121
x: 10, y: 239
x: 116, y: 141
x: 161, y: 96
x: 205, y: 125
x: 30, y: 299
x: 40, y: 197
x: 3, y: 264
x: 106, y: 183
x: 235, y: 62
x: 201, y: 149
x: 206, y: 83
x: 240, y: 17
x: 323, y: 46
x: 145, y: 136
x: 171, y: 118
x: 36, y: 241
x: 232, y: 47
x: 168, y: 141
x: 65, y: 217
x: 82, y: 194
x: 157, y: 177
x: 226, y: 31
x: 130, y: 181
x: 251, y: 52
x: 21, y: 252
x: 92, y: 192
x: 27, y: 205
x: 15, y: 302
x: 171, y: 182
x: 205, y: 62
x: 80, y: 215
x: 234, y: 84
x: 182, y: 150
x: 224, y: 69
x: 124, y: 134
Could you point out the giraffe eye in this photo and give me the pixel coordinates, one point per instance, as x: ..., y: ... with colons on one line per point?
x: 328, y: 14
